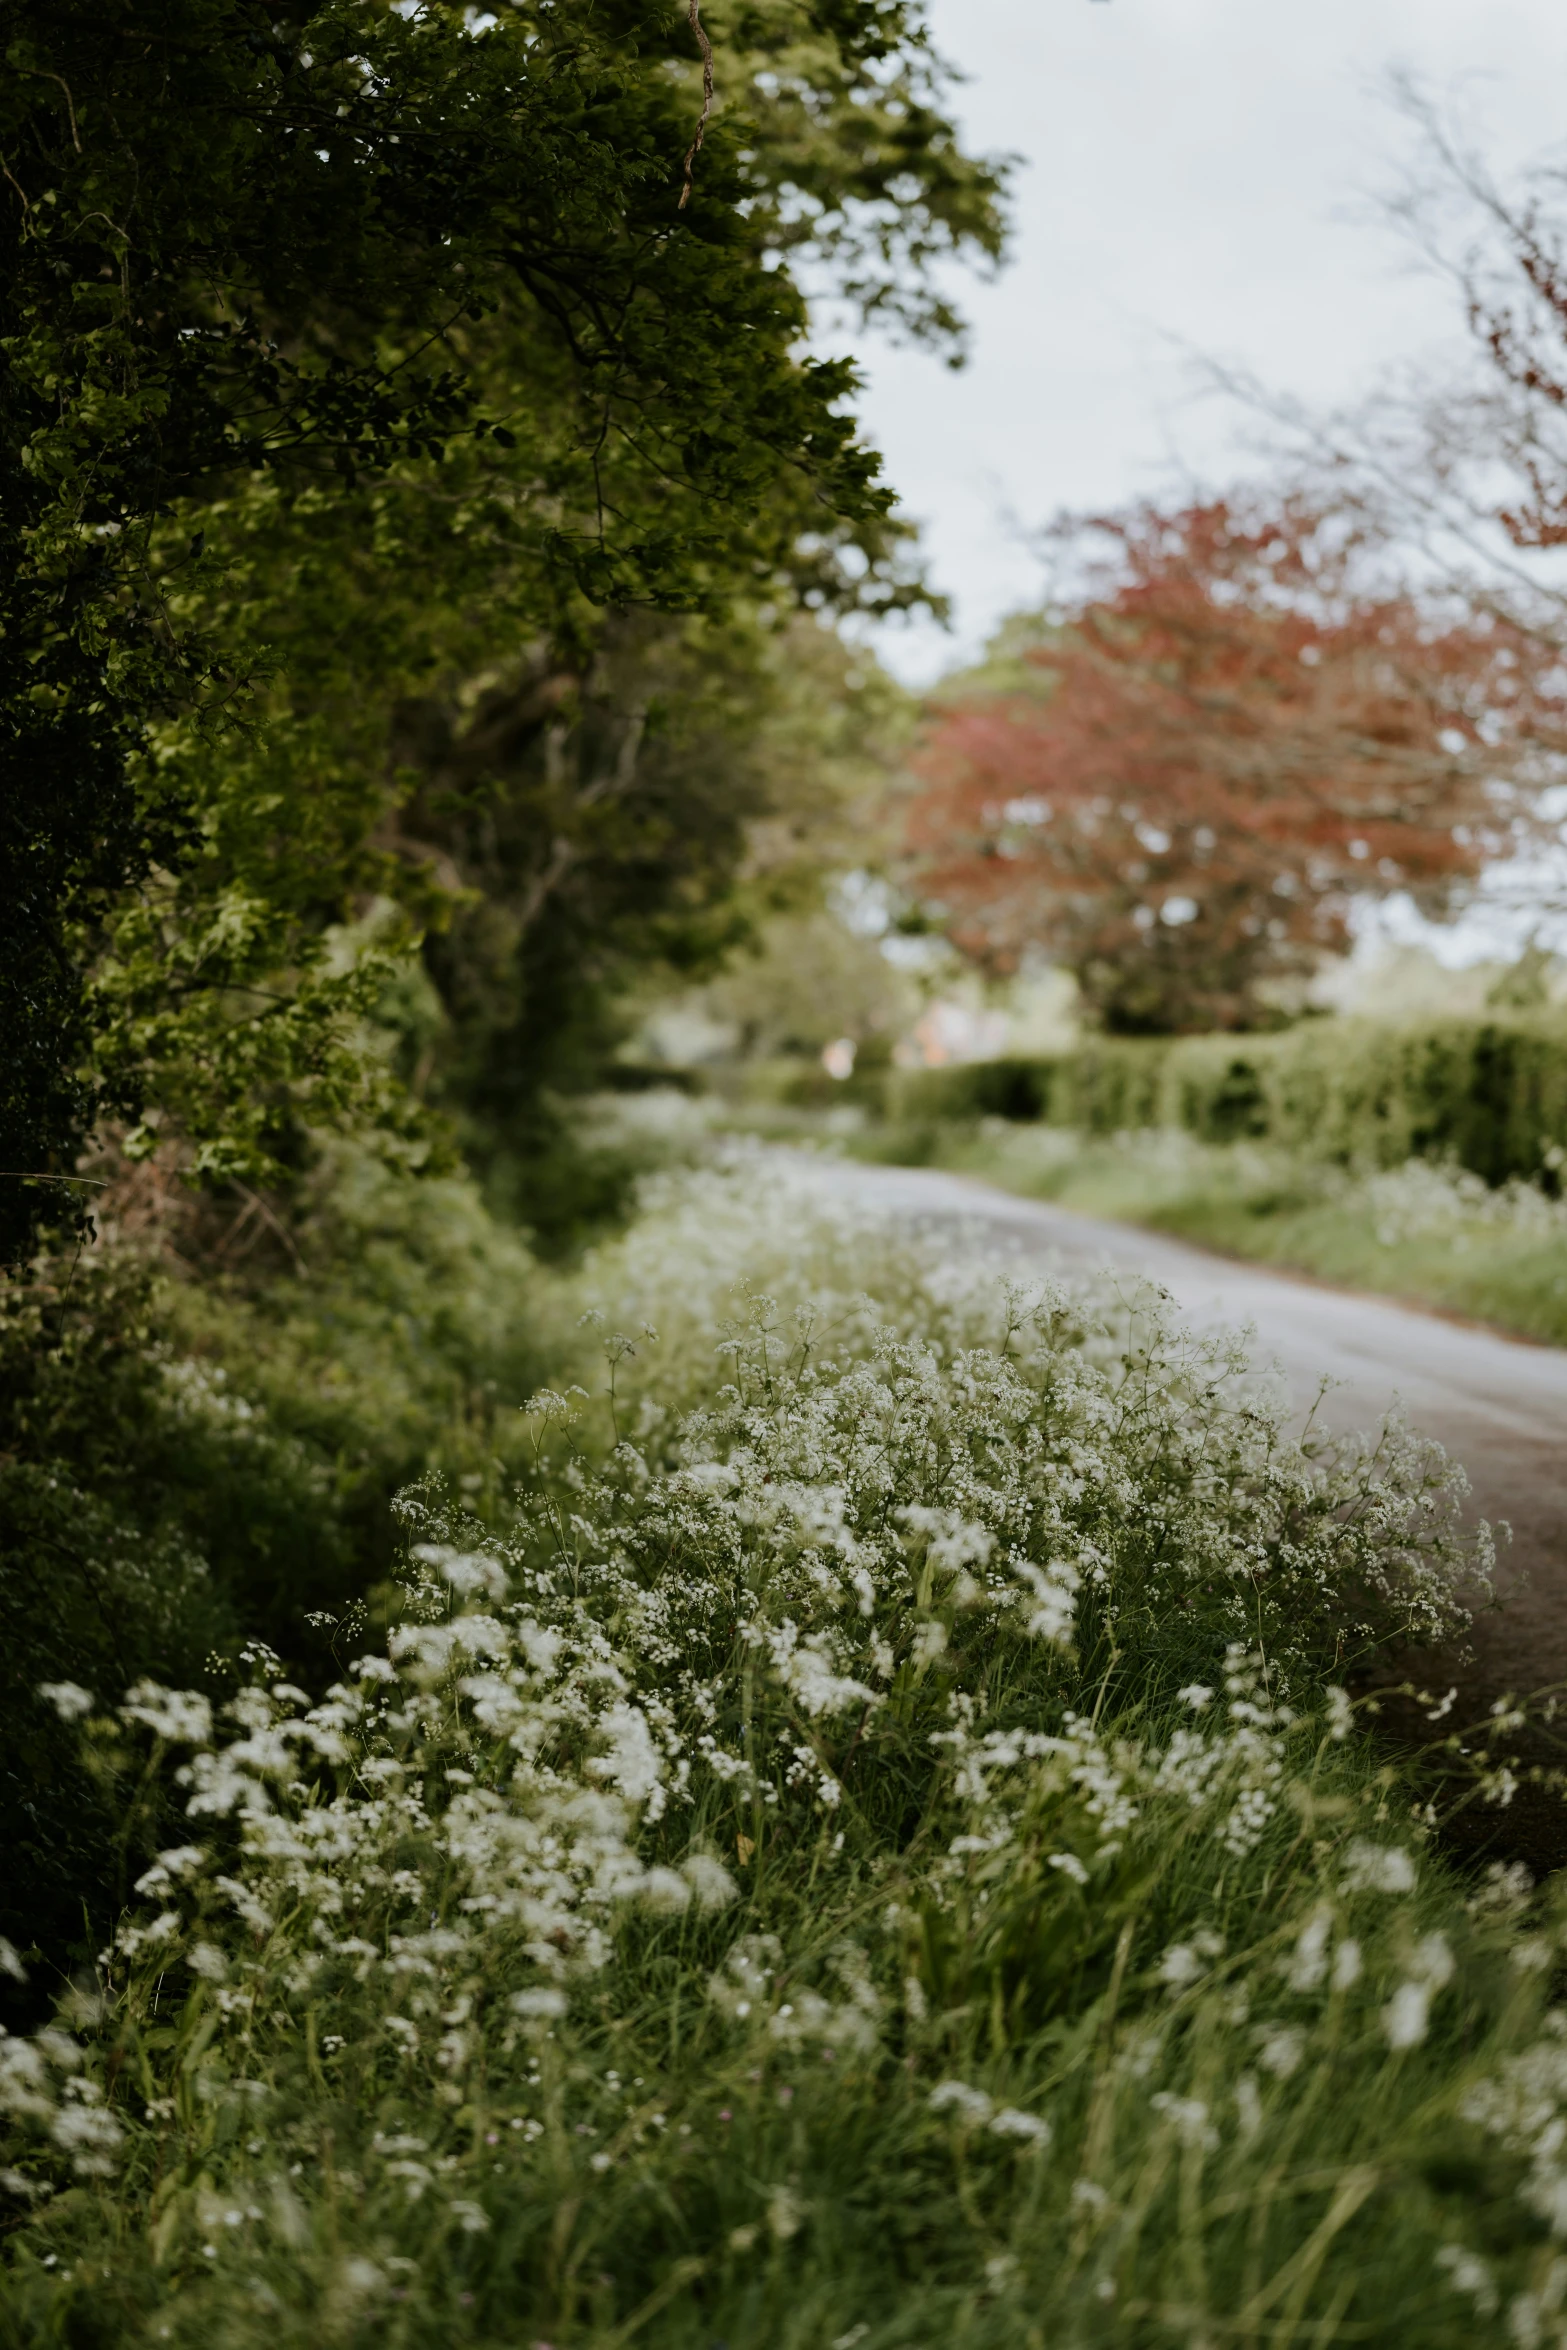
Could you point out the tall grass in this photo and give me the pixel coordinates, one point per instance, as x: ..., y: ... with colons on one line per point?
x: 880, y: 1854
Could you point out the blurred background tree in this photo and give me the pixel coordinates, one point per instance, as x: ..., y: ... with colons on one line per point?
x: 622, y: 822
x: 1180, y: 783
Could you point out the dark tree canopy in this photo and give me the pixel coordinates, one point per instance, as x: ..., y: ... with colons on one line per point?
x: 263, y: 264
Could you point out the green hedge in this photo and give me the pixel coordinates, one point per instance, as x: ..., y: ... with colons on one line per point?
x: 1490, y: 1093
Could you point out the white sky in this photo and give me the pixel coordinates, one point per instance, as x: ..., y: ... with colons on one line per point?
x: 1195, y: 169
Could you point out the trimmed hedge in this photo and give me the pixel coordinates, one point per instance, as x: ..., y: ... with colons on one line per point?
x: 1491, y: 1094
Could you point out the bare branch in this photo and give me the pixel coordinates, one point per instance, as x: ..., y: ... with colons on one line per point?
x: 694, y: 149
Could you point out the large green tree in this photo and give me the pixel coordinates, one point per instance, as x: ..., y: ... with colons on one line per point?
x: 347, y: 349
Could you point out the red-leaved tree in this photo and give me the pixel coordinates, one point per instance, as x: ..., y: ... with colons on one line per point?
x: 1180, y: 785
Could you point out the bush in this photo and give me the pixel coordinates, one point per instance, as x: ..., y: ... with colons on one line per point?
x: 1491, y: 1095
x: 187, y: 1464
x: 118, y: 1459
x: 885, y: 1857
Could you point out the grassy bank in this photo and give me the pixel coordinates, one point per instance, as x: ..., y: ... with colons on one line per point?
x: 1432, y: 1234
x: 875, y: 1852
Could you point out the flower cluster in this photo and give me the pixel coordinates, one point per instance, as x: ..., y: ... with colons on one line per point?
x: 915, y: 1693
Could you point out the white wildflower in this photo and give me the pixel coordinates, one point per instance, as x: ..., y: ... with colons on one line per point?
x: 633, y: 1764
x: 951, y: 1541
x: 1180, y: 1965
x: 807, y: 1671
x: 466, y: 1571
x: 1188, y: 2117
x: 1308, y: 1964
x: 1050, y: 1604
x: 1505, y: 1890
x: 740, y: 1985
x: 69, y: 1699
x: 665, y: 1892
x: 542, y: 2001
x: 1281, y: 2051
x: 1011, y: 2122
x: 180, y: 1861
x: 1242, y: 1830
x: 1187, y: 1961
x: 90, y: 2137
x: 182, y: 1716
x: 970, y: 2105
x: 1406, y: 2015
x: 1531, y: 1954
x: 929, y: 1642
x: 1433, y: 1961
x: 711, y: 1884
x: 785, y: 2214
x: 1468, y: 2273
x: 1378, y: 1868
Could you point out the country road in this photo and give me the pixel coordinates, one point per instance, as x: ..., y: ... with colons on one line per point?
x: 1497, y: 1404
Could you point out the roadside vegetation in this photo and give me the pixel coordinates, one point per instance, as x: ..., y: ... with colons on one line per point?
x: 879, y: 1845
x: 1428, y: 1232
x: 595, y: 1750
x: 1422, y: 1158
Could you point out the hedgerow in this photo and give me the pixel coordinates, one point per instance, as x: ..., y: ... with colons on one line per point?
x: 1488, y: 1094
x: 882, y: 1851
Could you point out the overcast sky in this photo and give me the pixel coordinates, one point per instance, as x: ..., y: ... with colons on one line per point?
x: 1196, y: 171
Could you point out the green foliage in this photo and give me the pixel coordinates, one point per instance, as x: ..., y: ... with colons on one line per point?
x: 596, y: 818
x: 882, y: 1852
x: 182, y: 1464
x: 115, y: 1458
x: 282, y: 264
x: 1490, y: 1094
x: 398, y: 1332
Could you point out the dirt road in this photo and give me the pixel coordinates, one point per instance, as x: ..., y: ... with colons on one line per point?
x: 1497, y: 1404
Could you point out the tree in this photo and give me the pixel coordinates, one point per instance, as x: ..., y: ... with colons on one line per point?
x: 1180, y: 785
x: 643, y: 809
x: 266, y: 263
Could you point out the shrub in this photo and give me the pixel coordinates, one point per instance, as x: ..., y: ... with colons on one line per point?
x: 883, y: 1856
x: 113, y: 1451
x: 184, y: 1464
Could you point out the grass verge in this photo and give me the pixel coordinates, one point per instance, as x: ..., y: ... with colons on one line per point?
x: 879, y: 1853
x: 1431, y: 1234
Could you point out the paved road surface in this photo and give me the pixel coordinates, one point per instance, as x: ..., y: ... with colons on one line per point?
x: 1497, y: 1404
